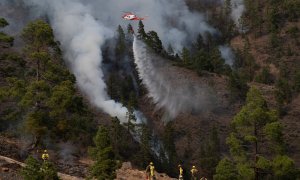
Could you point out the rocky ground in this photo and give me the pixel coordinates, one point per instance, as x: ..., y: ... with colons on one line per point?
x: 11, y: 162
x: 10, y: 170
x: 126, y: 172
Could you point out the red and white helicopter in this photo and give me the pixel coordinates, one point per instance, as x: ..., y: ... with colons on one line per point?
x: 132, y: 17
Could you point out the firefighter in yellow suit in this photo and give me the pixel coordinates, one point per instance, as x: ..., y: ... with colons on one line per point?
x: 45, y: 155
x: 180, y: 172
x: 194, y: 172
x: 150, y: 171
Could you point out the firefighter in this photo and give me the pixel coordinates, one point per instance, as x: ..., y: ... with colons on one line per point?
x: 194, y: 172
x: 45, y: 155
x: 150, y: 171
x: 180, y: 172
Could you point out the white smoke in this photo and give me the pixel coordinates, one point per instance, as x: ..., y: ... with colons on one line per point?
x: 227, y: 54
x: 66, y: 152
x: 83, y: 26
x: 81, y: 37
x: 237, y: 11
x: 170, y: 87
x: 171, y: 19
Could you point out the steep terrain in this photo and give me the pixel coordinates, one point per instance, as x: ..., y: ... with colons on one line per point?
x: 287, y: 58
x: 181, y: 128
x: 292, y: 129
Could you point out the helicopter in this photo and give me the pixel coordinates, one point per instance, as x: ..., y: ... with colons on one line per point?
x: 132, y: 17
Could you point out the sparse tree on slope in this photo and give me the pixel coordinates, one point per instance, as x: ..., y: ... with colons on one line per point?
x: 4, y: 37
x: 36, y: 171
x: 32, y: 169
x: 228, y: 24
x: 141, y: 32
x: 105, y: 164
x: 170, y: 149
x: 3, y: 22
x: 256, y: 132
x: 185, y: 55
x: 210, y: 153
x: 129, y: 29
x: 144, y: 155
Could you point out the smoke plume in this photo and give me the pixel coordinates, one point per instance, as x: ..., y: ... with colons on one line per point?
x: 81, y: 37
x: 237, y: 9
x: 171, y: 19
x: 172, y: 88
x: 83, y: 26
x: 227, y: 54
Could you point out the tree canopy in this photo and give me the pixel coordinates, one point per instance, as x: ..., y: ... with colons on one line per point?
x: 255, y: 141
x: 105, y: 164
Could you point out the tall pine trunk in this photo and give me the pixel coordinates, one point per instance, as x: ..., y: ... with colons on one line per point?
x: 255, y: 152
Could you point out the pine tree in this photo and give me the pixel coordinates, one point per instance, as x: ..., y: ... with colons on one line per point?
x: 141, y: 32
x: 132, y: 101
x: 32, y: 169
x: 144, y: 155
x: 292, y: 9
x: 227, y: 9
x: 199, y: 43
x: 226, y: 170
x: 154, y: 42
x: 229, y: 24
x: 284, y: 168
x: 237, y: 86
x: 121, y: 45
x: 216, y: 61
x: 248, y: 66
x: 49, y: 171
x: 210, y: 153
x: 117, y: 137
x: 283, y: 93
x: 44, y: 95
x: 129, y: 29
x: 35, y: 124
x: 170, y: 149
x: 273, y: 17
x: 105, y: 164
x: 202, y: 62
x: 255, y: 127
x: 296, y: 81
x: 61, y: 102
x: 112, y: 87
x: 185, y: 56
x: 36, y: 94
x: 253, y: 16
x: 4, y: 38
x: 3, y: 22
x: 131, y: 119
x: 265, y: 76
x: 38, y: 36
